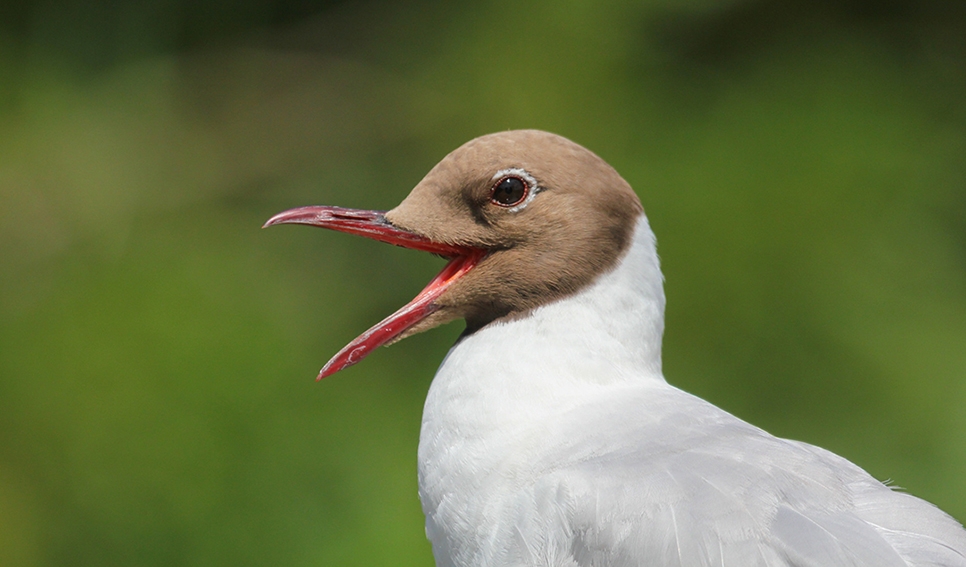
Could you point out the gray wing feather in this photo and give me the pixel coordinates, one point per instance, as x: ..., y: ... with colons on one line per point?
x: 714, y: 491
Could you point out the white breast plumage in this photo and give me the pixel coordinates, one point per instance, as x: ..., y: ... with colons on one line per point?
x: 553, y: 440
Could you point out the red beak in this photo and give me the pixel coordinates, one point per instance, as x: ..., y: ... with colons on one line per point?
x: 373, y: 224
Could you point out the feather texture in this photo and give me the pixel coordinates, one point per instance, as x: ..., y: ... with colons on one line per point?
x: 554, y: 440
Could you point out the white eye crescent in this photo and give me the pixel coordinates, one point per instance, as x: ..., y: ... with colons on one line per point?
x: 513, y: 189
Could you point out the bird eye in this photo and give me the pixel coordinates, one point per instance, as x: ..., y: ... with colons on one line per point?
x: 509, y: 192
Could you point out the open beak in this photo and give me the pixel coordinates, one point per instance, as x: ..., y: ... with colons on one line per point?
x: 373, y: 224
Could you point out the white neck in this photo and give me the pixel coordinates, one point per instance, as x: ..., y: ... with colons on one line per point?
x: 499, y: 385
x: 616, y: 323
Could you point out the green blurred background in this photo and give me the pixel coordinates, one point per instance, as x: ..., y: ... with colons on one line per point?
x: 803, y: 164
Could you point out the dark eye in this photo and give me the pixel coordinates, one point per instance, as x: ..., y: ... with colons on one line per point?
x: 509, y: 192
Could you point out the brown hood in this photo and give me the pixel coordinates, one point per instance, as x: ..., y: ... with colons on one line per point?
x: 526, y: 217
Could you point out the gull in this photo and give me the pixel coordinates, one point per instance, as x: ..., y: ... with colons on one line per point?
x: 550, y: 436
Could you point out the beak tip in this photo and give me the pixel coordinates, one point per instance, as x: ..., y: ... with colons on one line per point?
x: 272, y: 221
x: 328, y: 370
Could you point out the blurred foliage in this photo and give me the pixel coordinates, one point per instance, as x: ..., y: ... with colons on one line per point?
x: 801, y: 162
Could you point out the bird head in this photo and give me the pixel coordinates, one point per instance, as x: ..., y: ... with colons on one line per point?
x: 525, y: 217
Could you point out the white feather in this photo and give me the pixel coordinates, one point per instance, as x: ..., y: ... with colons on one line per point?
x: 554, y: 440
